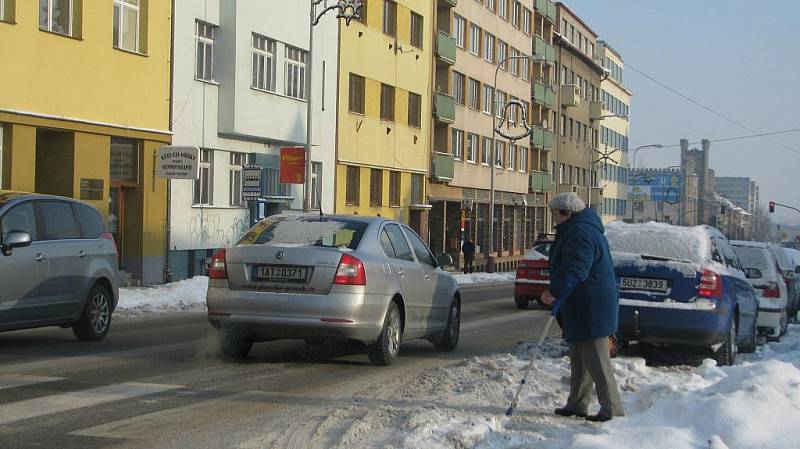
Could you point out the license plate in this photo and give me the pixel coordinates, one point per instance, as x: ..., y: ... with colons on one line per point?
x: 278, y: 273
x: 644, y: 284
x: 545, y: 272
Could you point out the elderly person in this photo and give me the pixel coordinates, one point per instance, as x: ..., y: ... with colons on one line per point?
x: 582, y: 278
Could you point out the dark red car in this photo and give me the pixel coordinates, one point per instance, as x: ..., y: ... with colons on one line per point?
x: 533, y: 274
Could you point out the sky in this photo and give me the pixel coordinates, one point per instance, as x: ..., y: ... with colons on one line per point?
x: 740, y: 58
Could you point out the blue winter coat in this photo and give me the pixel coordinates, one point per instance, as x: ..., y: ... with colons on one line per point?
x: 581, y: 267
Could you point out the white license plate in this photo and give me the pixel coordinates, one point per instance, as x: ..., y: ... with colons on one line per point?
x: 644, y: 284
x: 281, y: 273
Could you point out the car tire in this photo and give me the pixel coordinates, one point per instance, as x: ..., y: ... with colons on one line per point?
x: 522, y: 302
x: 387, y: 347
x: 234, y: 343
x: 752, y: 342
x: 449, y: 339
x: 95, y: 320
x: 726, y: 354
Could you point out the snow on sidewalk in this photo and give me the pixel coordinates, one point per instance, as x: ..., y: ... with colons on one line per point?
x: 478, y: 278
x: 181, y: 296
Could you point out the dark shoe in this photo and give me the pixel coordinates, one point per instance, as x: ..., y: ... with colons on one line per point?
x: 598, y: 418
x: 568, y: 413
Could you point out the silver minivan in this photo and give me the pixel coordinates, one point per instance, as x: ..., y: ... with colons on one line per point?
x: 58, y: 265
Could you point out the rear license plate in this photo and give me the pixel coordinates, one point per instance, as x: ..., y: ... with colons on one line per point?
x: 644, y: 284
x: 545, y: 272
x: 279, y: 273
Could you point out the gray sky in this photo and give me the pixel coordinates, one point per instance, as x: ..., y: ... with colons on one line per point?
x: 740, y: 58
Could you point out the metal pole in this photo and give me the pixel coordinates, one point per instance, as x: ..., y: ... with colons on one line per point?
x: 492, y: 162
x: 309, y: 84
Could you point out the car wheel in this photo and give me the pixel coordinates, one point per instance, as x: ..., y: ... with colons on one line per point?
x: 385, y: 350
x: 522, y: 302
x: 752, y: 342
x: 449, y: 339
x: 95, y: 321
x: 726, y: 354
x: 234, y: 343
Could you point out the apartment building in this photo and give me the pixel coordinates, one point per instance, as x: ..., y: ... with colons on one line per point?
x: 384, y: 101
x: 240, y: 95
x: 84, y: 109
x: 473, y: 38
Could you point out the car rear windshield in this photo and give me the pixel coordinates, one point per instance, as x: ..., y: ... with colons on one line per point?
x: 783, y: 258
x: 306, y: 231
x: 753, y: 257
x: 659, y: 240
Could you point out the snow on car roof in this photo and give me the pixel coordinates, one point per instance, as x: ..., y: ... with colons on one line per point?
x: 680, y: 243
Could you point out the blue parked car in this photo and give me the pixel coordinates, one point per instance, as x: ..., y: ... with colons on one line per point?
x: 684, y: 286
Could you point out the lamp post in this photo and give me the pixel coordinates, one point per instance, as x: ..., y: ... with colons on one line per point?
x: 347, y: 10
x: 493, y: 151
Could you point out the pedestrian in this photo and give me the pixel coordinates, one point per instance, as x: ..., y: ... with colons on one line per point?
x: 468, y: 248
x: 582, y: 277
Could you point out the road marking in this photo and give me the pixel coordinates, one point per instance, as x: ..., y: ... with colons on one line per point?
x: 58, y: 403
x: 16, y: 380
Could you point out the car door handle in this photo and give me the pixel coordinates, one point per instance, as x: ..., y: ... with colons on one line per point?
x: 427, y: 277
x: 82, y: 254
x: 401, y: 273
x: 40, y: 257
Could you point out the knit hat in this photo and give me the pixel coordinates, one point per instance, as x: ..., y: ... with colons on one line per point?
x: 567, y: 201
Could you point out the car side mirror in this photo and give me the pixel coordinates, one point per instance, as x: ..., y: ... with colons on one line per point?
x: 444, y: 260
x: 753, y: 273
x: 15, y: 239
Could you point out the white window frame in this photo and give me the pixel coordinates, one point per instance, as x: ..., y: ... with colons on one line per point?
x: 514, y: 62
x: 237, y: 162
x: 516, y: 12
x: 459, y: 30
x: 472, y: 147
x: 488, y: 47
x: 49, y: 26
x: 474, y: 95
x: 500, y: 102
x: 2, y: 12
x: 488, y: 94
x: 486, y: 150
x: 502, y: 9
x: 458, y: 88
x: 499, y: 149
x: 294, y: 82
x: 457, y: 137
x: 207, y: 44
x: 527, y: 18
x: 475, y: 36
x: 208, y: 183
x: 525, y: 68
x: 316, y: 185
x: 502, y: 53
x: 523, y: 163
x: 511, y: 161
x: 269, y: 55
x: 122, y: 5
x: 491, y: 5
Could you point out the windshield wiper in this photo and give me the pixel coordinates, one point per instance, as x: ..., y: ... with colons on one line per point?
x: 663, y: 259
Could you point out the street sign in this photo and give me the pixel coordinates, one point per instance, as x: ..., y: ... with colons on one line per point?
x: 251, y: 182
x: 293, y: 165
x: 175, y: 162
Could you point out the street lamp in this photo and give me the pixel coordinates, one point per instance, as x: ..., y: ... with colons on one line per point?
x: 493, y: 151
x: 347, y: 10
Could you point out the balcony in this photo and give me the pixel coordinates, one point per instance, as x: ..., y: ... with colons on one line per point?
x: 543, y: 94
x: 540, y: 181
x: 445, y: 48
x: 450, y: 3
x: 542, y: 48
x: 444, y: 108
x: 442, y: 167
x: 543, y: 138
x: 547, y: 8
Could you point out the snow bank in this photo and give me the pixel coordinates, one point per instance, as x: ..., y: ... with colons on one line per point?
x: 182, y: 296
x: 477, y: 278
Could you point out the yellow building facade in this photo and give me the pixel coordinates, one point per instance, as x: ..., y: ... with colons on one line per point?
x: 84, y: 106
x: 383, y: 131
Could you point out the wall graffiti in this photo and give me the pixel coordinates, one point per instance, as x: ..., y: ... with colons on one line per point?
x: 215, y: 230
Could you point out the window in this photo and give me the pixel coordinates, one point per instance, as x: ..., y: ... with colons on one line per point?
x: 420, y: 250
x: 399, y: 244
x: 416, y: 30
x: 263, y: 63
x: 3, y: 11
x: 580, y: 41
x: 525, y: 68
x: 417, y: 189
x: 474, y: 94
x: 390, y: 18
x: 459, y: 30
x: 237, y: 162
x: 353, y: 185
x: 89, y: 221
x: 316, y: 185
x: 563, y: 27
x: 488, y: 47
x: 204, y: 37
x: 59, y: 221
x: 387, y: 103
x: 499, y: 149
x: 512, y: 111
x: 561, y: 168
x: 21, y: 218
x: 126, y: 24
x: 502, y: 9
x: 472, y: 147
x: 563, y: 125
x: 56, y: 16
x: 502, y: 53
x: 486, y: 149
x: 571, y: 128
x: 488, y: 94
x: 512, y: 157
x: 414, y: 110
x: 501, y: 103
x: 523, y: 159
x: 458, y: 88
x: 458, y: 143
x: 514, y: 62
x: 526, y: 21
x: 394, y: 188
x: 204, y: 184
x: 295, y: 65
x: 475, y: 40
x: 376, y: 187
x: 491, y: 4
x: 516, y: 10
x: 356, y: 94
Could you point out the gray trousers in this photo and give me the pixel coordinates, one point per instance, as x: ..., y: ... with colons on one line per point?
x: 590, y: 364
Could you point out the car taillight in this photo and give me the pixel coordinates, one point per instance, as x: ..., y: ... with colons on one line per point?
x: 710, y: 285
x: 218, y: 268
x: 771, y: 291
x: 110, y: 237
x: 350, y: 272
x: 522, y: 269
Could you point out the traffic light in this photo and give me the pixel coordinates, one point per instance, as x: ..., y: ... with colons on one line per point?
x: 771, y: 206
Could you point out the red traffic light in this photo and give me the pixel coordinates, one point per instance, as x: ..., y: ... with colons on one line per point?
x: 771, y: 206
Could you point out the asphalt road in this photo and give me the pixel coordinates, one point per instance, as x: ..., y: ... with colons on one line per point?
x: 161, y: 383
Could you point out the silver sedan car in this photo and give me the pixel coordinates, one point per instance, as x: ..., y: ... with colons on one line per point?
x: 332, y: 277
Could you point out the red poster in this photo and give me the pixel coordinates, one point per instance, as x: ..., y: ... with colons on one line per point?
x: 293, y: 165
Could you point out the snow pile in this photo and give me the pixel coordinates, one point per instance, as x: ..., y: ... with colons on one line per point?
x: 477, y: 278
x: 182, y: 296
x: 690, y: 244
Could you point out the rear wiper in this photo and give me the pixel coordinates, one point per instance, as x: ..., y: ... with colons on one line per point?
x: 662, y: 259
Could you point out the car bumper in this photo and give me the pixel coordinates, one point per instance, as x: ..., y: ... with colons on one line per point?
x: 347, y: 312
x: 530, y: 288
x: 703, y: 323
